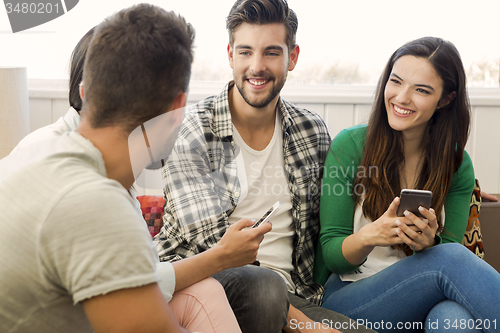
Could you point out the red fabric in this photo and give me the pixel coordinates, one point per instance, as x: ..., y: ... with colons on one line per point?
x: 152, y: 207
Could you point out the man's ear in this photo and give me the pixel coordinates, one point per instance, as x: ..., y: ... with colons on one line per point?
x: 230, y: 55
x: 178, y: 103
x: 80, y: 89
x: 447, y: 99
x: 294, y: 57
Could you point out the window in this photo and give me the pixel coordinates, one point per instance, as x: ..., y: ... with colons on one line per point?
x: 342, y: 42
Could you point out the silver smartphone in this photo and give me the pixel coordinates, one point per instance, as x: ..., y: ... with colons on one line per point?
x: 412, y: 199
x: 268, y: 214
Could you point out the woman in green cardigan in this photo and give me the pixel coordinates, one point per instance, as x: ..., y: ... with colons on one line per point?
x: 404, y: 272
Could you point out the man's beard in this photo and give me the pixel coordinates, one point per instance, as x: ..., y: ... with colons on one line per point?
x: 262, y: 102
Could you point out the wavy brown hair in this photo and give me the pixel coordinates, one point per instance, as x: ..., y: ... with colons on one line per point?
x: 444, y: 142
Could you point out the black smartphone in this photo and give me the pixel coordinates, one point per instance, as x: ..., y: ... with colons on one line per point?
x: 412, y: 199
x: 268, y: 214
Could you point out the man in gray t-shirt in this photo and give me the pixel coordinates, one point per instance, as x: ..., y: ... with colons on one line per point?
x: 80, y: 237
x: 76, y: 255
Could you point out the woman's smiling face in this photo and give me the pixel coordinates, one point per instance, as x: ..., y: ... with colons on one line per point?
x: 412, y: 94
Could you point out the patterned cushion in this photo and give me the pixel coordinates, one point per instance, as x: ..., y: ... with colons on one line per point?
x: 152, y: 211
x: 473, y: 238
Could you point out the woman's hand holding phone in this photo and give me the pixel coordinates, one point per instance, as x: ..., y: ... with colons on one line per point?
x: 382, y: 232
x: 391, y: 229
x: 418, y: 233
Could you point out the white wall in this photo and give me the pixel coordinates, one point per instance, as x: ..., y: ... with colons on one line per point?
x: 340, y: 107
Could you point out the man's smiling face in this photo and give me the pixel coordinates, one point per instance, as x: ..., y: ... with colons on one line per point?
x: 260, y: 61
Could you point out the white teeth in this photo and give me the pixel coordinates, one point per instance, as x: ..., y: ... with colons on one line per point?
x: 258, y: 82
x: 401, y: 111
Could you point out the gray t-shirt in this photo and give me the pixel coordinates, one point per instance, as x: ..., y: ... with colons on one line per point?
x: 67, y: 233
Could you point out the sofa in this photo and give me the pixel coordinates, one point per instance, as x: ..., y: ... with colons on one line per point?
x: 489, y: 218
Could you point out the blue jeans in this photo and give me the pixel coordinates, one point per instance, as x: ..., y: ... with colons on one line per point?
x: 260, y: 301
x: 449, y: 316
x: 408, y: 295
x: 258, y: 297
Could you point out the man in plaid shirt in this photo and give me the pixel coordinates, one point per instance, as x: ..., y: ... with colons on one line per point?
x: 238, y: 153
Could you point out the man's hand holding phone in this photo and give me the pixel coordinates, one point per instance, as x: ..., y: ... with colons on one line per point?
x: 237, y: 247
x: 240, y: 243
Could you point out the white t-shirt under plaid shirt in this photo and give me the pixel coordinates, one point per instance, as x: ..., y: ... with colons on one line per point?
x: 262, y: 177
x: 202, y: 186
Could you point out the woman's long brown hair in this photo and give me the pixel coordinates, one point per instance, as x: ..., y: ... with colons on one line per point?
x: 444, y: 142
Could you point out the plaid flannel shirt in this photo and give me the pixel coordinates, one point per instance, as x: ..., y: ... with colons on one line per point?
x: 202, y: 187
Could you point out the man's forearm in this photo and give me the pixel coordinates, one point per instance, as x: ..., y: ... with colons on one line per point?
x: 239, y: 246
x: 191, y: 270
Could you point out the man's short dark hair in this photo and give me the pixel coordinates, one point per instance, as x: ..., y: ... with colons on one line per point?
x: 139, y: 60
x: 263, y: 12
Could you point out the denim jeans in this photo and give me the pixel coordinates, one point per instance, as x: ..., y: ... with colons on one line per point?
x: 260, y: 300
x: 439, y: 319
x: 408, y: 295
x: 258, y: 297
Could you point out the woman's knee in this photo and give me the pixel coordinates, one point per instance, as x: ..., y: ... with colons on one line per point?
x: 445, y: 315
x: 203, y: 306
x: 453, y: 253
x: 208, y: 288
